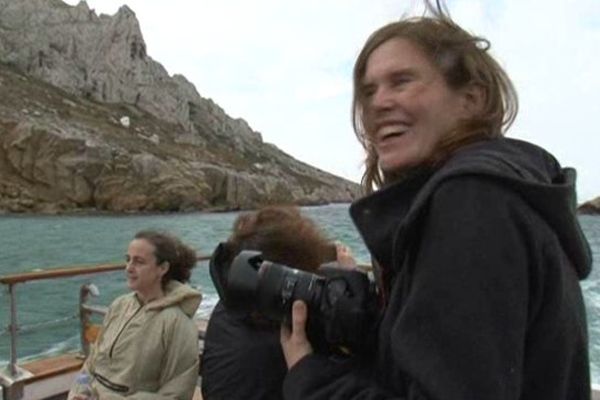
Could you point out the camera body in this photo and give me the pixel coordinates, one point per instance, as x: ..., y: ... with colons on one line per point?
x: 341, y: 303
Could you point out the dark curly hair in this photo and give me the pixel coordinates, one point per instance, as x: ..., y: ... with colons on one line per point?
x: 181, y: 258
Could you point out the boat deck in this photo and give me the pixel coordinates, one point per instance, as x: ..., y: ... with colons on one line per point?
x: 49, y: 367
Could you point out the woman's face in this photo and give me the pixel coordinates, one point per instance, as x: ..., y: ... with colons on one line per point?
x: 408, y: 107
x: 143, y: 273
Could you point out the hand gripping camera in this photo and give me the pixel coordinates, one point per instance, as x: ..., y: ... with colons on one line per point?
x: 341, y: 303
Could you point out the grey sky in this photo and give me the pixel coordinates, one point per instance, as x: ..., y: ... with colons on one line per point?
x: 285, y: 67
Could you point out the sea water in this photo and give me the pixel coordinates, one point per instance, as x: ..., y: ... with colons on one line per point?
x: 47, y: 310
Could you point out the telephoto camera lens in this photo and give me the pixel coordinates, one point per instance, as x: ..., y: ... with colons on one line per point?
x: 279, y: 286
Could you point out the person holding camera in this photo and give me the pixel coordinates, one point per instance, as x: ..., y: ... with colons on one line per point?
x: 474, y: 236
x: 148, y: 345
x: 242, y: 357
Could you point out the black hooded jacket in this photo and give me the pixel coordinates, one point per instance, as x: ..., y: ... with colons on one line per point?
x: 241, y: 361
x: 480, y: 264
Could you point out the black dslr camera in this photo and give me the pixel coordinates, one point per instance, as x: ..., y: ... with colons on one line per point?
x: 341, y: 303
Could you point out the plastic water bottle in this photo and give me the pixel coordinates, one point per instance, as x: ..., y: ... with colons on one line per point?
x: 83, y: 386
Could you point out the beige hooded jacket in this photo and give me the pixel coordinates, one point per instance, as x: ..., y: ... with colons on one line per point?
x: 145, y: 352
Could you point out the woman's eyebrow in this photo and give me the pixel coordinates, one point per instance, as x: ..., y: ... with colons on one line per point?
x: 366, y: 87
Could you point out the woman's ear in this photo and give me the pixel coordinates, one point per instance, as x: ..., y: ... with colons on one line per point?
x: 164, y: 267
x: 473, y: 100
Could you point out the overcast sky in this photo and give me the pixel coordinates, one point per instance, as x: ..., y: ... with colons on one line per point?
x: 285, y: 67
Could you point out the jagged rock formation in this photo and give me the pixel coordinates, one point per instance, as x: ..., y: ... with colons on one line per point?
x: 89, y: 121
x: 590, y: 207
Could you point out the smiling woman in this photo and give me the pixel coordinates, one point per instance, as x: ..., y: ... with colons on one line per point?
x: 409, y: 108
x: 475, y: 243
x: 441, y: 94
x: 148, y: 343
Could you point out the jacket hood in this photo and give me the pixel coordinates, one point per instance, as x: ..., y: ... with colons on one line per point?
x: 520, y: 166
x: 180, y: 295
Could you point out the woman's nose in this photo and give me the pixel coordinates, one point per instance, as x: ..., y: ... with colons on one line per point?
x: 380, y: 105
x: 382, y: 99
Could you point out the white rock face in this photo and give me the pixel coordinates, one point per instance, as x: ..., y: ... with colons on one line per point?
x: 100, y: 57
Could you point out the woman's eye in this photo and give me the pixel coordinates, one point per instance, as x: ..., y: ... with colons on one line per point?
x: 367, y: 90
x: 368, y: 93
x: 400, y: 82
x: 134, y: 261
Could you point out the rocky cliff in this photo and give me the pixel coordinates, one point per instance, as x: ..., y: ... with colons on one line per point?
x: 89, y: 121
x: 590, y: 207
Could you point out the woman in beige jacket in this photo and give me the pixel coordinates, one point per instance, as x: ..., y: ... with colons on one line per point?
x: 148, y: 347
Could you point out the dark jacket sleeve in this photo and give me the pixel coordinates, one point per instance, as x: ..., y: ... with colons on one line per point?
x: 241, y: 361
x: 460, y: 330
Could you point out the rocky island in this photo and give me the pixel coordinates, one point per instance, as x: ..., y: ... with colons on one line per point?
x: 89, y: 121
x: 590, y: 207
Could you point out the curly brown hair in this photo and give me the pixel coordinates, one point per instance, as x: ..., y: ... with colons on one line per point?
x: 284, y: 236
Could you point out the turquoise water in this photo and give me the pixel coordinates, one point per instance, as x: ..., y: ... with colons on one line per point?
x: 30, y: 242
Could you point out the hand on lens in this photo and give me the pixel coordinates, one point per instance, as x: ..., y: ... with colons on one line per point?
x: 344, y: 257
x: 294, y: 342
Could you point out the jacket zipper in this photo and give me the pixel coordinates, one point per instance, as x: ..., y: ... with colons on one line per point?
x: 112, y: 347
